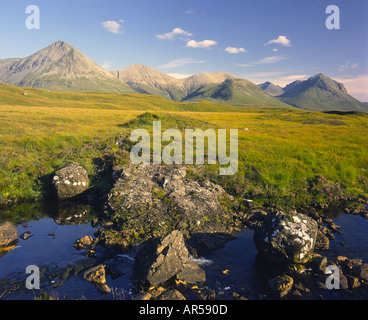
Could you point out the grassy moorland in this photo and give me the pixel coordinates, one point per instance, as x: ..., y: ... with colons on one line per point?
x: 287, y: 157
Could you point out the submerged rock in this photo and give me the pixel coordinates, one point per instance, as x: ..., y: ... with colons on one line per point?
x: 8, y: 234
x: 159, y: 260
x: 70, y: 181
x: 287, y: 238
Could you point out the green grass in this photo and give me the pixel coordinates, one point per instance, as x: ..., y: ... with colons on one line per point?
x: 280, y: 153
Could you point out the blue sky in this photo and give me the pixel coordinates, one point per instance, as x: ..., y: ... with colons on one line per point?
x: 276, y: 40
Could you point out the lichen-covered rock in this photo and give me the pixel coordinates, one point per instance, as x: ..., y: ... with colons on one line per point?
x: 287, y: 238
x: 192, y: 274
x: 70, y: 181
x: 159, y: 260
x: 151, y: 200
x: 8, y: 234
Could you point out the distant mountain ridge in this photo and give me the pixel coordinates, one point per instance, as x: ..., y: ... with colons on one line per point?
x: 61, y: 67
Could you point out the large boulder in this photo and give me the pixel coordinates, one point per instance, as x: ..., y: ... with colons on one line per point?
x: 159, y: 259
x: 70, y: 181
x: 287, y: 238
x: 8, y: 234
x: 151, y: 200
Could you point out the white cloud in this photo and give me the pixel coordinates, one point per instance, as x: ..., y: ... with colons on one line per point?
x: 113, y: 26
x: 357, y: 86
x: 173, y: 34
x: 189, y: 11
x: 201, y: 44
x: 179, y: 63
x: 281, y: 40
x: 179, y: 75
x: 273, y: 59
x: 106, y: 65
x: 348, y: 65
x: 275, y: 50
x: 234, y: 50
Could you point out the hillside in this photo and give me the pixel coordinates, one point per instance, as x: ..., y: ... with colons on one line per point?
x: 236, y: 92
x: 272, y: 89
x: 321, y: 93
x: 59, y: 67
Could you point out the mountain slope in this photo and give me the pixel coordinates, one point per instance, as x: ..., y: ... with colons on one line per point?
x: 144, y: 79
x: 236, y: 92
x: 272, y: 89
x: 59, y: 67
x: 321, y: 93
x: 147, y: 80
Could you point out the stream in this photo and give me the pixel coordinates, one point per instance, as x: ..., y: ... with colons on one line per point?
x: 54, y: 231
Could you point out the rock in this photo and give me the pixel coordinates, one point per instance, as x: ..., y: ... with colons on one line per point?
x: 96, y: 275
x: 353, y: 282
x: 26, y: 235
x: 287, y: 238
x: 142, y: 296
x: 192, y: 274
x: 361, y: 272
x: 83, y: 243
x: 322, y: 241
x: 70, y: 181
x: 318, y: 263
x: 171, y: 295
x: 281, y: 285
x: 8, y: 234
x: 104, y: 288
x: 159, y: 260
x: 151, y: 200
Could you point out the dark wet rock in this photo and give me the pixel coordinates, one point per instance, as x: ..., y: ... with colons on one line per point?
x: 159, y: 259
x: 142, y: 296
x: 172, y: 295
x: 26, y: 235
x: 150, y: 200
x: 70, y: 181
x: 192, y: 274
x: 287, y: 238
x: 8, y: 234
x: 318, y: 263
x: 281, y: 285
x: 361, y: 272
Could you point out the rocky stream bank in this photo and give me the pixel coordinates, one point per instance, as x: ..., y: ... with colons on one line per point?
x: 166, y: 221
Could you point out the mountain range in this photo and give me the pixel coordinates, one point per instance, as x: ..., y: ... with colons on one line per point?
x: 61, y: 67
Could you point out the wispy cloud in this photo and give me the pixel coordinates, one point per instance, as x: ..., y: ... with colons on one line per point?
x: 180, y: 63
x: 234, y: 50
x: 189, y: 11
x: 272, y: 59
x: 281, y: 40
x: 243, y: 64
x: 348, y: 65
x: 172, y: 35
x: 356, y: 86
x: 106, y: 65
x: 201, y: 44
x: 112, y: 26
